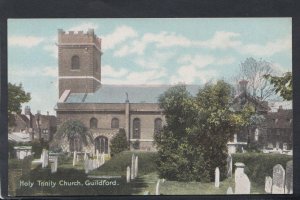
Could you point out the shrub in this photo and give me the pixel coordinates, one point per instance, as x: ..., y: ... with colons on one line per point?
x: 119, y: 142
x: 259, y: 165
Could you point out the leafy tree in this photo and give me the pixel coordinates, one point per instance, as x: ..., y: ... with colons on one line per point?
x: 16, y: 96
x: 283, y: 85
x: 71, y: 129
x: 194, y: 141
x: 119, y: 142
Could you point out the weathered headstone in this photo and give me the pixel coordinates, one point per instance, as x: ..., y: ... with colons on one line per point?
x: 268, y: 184
x: 229, y: 191
x: 86, y: 166
x: 239, y: 170
x: 85, y: 156
x: 44, y: 158
x: 136, y: 165
x: 289, y: 178
x: 128, y: 174
x: 278, y: 179
x: 74, y: 158
x: 242, y: 184
x: 157, y: 188
x: 217, y: 177
x: 53, y: 167
x: 229, y: 166
x: 132, y: 166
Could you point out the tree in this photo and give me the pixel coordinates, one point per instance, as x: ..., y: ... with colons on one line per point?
x: 194, y: 141
x: 16, y: 96
x: 71, y: 130
x: 119, y: 142
x: 283, y: 85
x: 253, y: 71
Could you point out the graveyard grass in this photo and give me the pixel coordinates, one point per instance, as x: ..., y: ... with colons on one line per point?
x: 116, y: 166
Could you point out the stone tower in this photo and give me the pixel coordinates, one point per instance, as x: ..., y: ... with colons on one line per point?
x: 79, y: 61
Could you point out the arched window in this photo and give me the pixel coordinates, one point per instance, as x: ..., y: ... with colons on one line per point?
x: 115, y: 123
x: 75, y: 64
x: 93, y: 123
x: 101, y: 144
x: 136, y: 132
x: 157, y: 125
x: 75, y: 143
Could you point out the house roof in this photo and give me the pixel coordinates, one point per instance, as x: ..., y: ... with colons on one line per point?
x: 117, y: 94
x: 280, y: 119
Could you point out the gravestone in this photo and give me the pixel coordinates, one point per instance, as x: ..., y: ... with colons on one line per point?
x: 74, y: 158
x: 132, y: 166
x: 157, y: 188
x: 52, y: 168
x: 128, y: 174
x: 278, y: 179
x: 86, y: 166
x: 136, y: 165
x: 229, y: 166
x: 217, y: 177
x: 268, y: 184
x: 85, y: 156
x: 289, y: 178
x: 229, y: 191
x: 242, y: 184
x: 46, y: 158
x: 239, y: 170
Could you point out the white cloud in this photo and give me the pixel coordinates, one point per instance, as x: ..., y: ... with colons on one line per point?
x: 24, y: 41
x: 155, y: 60
x: 225, y: 60
x: 119, y: 35
x: 83, y: 27
x: 198, y: 61
x: 268, y: 49
x: 50, y: 71
x: 108, y: 71
x: 45, y: 71
x: 52, y: 49
x: 221, y: 40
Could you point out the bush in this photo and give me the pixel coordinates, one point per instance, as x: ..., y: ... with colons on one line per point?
x: 118, y: 164
x: 119, y: 142
x: 259, y: 165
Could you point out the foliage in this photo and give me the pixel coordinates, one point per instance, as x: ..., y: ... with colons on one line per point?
x: 253, y: 71
x: 71, y: 129
x: 117, y: 165
x: 16, y: 96
x: 259, y: 165
x: 119, y: 142
x: 194, y: 141
x: 283, y: 85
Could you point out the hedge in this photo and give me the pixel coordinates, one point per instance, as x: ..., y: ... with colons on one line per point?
x: 259, y: 165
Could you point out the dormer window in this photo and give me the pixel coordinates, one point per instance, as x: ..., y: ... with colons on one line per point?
x: 75, y: 64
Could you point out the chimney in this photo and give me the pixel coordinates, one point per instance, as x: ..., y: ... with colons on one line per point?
x: 243, y: 86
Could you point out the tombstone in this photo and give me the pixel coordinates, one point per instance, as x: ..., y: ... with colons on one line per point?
x: 229, y: 166
x: 217, y: 177
x: 136, y: 165
x: 289, y: 178
x: 132, y: 166
x: 229, y: 191
x: 268, y: 184
x: 52, y: 168
x: 278, y: 179
x: 242, y: 184
x: 239, y: 170
x: 146, y: 193
x: 44, y: 158
x: 235, y: 138
x: 86, y: 166
x: 157, y: 188
x: 74, y: 158
x: 85, y: 156
x: 128, y: 174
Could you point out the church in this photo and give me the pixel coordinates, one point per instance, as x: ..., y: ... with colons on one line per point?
x: 104, y: 109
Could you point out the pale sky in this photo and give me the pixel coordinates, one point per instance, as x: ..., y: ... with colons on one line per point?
x: 147, y: 51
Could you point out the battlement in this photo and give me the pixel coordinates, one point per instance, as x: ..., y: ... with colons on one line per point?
x: 72, y: 37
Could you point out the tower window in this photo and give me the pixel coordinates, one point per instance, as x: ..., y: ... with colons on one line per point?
x: 115, y: 123
x: 75, y: 64
x: 93, y: 123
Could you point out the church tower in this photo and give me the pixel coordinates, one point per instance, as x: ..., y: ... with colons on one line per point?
x: 79, y: 61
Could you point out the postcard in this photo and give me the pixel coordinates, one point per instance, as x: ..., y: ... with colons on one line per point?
x: 150, y: 106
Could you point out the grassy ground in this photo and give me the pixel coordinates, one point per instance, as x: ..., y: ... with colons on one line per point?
x: 145, y: 182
